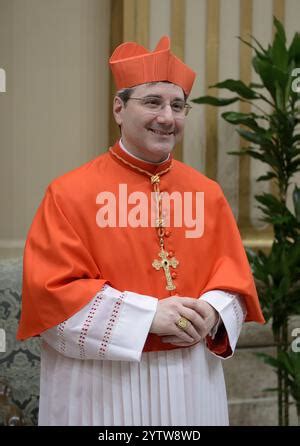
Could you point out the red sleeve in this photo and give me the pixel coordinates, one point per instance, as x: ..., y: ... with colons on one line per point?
x: 59, y: 274
x: 231, y: 270
x: 220, y: 344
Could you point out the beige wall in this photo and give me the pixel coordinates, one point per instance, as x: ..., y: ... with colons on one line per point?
x: 54, y: 114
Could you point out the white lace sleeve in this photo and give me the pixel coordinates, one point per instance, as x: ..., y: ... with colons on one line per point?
x: 114, y: 325
x: 232, y: 312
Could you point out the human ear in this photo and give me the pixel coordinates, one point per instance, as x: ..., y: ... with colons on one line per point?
x: 118, y: 106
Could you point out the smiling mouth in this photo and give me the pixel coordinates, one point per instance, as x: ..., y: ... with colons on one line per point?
x: 160, y: 132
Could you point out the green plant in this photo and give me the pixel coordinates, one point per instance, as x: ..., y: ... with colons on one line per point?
x: 273, y: 137
x: 288, y: 362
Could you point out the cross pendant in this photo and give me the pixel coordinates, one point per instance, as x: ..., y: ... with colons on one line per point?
x: 165, y: 263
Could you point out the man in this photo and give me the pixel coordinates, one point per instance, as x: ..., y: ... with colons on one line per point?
x: 135, y: 308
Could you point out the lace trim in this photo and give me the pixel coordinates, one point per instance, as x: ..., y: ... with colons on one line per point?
x: 61, y: 337
x: 240, y: 311
x: 88, y: 322
x: 110, y: 325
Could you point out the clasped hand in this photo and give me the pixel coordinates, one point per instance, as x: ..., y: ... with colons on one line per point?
x: 201, y: 315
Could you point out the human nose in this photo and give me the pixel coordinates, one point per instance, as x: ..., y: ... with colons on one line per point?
x: 165, y: 114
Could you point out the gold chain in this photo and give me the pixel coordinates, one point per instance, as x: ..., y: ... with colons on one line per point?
x: 155, y: 180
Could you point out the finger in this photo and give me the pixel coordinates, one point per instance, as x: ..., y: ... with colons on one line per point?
x: 176, y: 341
x: 183, y: 335
x: 196, y: 322
x: 191, y: 331
x: 187, y: 334
x: 189, y: 302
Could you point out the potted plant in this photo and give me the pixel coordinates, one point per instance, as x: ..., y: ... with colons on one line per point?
x: 273, y: 138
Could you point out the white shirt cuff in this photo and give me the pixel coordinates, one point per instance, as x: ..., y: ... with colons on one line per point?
x: 114, y: 325
x: 232, y: 312
x: 131, y: 331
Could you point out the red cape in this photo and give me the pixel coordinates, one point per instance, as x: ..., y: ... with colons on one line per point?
x: 68, y: 257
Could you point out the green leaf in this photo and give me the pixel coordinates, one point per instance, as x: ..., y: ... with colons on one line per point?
x: 247, y: 119
x: 280, y: 30
x: 246, y: 42
x: 293, y: 166
x: 267, y: 177
x: 264, y: 51
x: 294, y: 50
x: 284, y: 286
x: 211, y: 100
x: 280, y: 54
x: 259, y: 137
x: 296, y: 201
x: 255, y: 85
x: 264, y: 70
x: 270, y: 74
x: 256, y: 155
x: 268, y: 359
x: 250, y: 151
x: 237, y: 87
x: 237, y: 153
x: 271, y: 202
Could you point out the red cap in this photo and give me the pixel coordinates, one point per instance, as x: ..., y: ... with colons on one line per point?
x: 133, y: 64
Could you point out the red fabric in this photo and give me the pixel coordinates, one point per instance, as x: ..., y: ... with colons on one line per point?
x: 132, y: 64
x: 68, y: 257
x: 220, y: 344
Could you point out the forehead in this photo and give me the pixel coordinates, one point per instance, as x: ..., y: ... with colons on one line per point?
x: 159, y: 88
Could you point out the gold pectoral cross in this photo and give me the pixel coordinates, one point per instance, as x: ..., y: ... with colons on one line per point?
x: 165, y: 263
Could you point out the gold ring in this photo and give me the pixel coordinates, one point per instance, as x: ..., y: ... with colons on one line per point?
x: 182, y: 323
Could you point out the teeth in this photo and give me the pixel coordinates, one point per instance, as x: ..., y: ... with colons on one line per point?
x: 160, y: 132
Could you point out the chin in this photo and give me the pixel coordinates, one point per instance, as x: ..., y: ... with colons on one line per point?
x: 163, y: 155
x: 163, y: 147
x: 167, y: 150
x: 156, y: 154
x: 163, y: 150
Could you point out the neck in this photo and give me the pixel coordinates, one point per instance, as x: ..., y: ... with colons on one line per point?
x: 138, y: 158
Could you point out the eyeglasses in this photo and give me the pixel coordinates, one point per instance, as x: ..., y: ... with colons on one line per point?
x: 155, y: 104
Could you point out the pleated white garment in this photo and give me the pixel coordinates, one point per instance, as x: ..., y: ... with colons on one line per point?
x: 185, y: 387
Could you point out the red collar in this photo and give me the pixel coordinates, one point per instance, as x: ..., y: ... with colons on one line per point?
x: 149, y: 167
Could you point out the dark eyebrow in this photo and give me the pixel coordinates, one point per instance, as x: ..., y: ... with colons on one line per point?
x: 158, y: 96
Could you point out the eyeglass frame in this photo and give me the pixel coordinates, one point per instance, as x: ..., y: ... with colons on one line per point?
x: 187, y: 107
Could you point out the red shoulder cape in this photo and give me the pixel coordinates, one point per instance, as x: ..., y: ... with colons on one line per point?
x: 68, y: 257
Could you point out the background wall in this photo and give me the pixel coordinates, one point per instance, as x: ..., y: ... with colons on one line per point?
x: 54, y: 114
